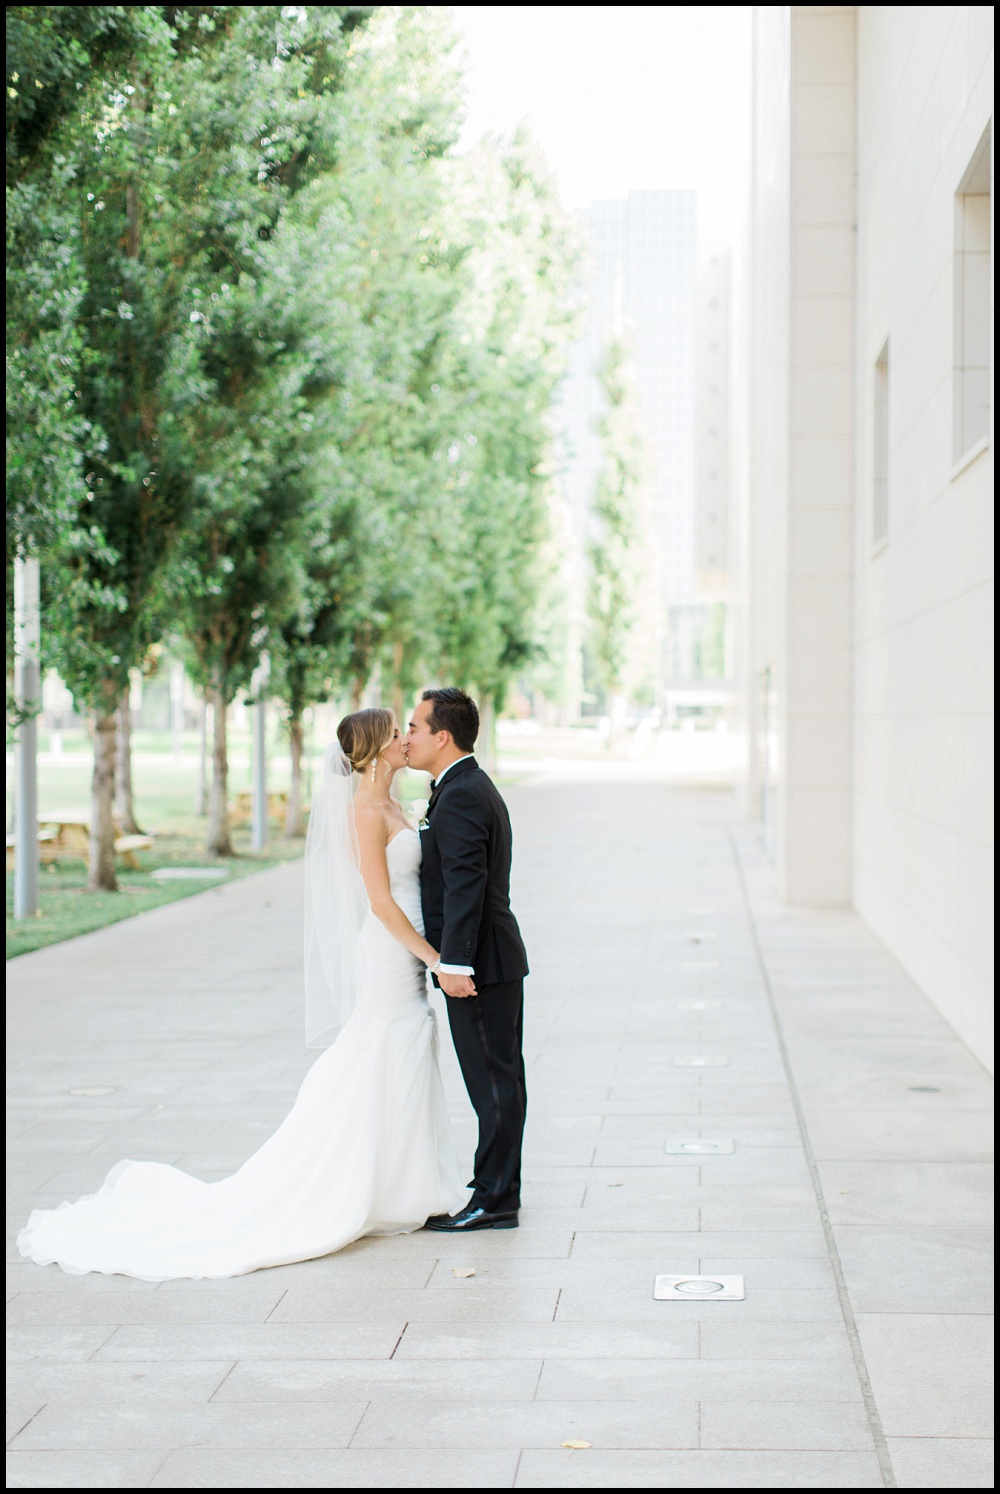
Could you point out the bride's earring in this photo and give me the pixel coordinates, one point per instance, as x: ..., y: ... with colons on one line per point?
x: 374, y: 766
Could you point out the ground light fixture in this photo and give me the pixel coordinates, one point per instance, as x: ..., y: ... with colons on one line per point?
x: 705, y: 1146
x: 701, y: 1061
x: 672, y: 1288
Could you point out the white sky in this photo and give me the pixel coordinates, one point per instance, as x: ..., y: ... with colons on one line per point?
x: 620, y: 99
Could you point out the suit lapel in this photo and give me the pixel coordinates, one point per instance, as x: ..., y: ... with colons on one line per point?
x: 455, y: 771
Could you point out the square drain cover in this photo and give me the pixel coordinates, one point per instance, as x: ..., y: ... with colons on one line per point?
x: 701, y: 1061
x: 699, y: 1289
x: 690, y: 1146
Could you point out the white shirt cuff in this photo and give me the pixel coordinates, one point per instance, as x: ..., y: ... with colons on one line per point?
x: 440, y: 969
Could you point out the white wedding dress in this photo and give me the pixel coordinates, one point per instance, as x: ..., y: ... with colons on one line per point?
x: 367, y: 1148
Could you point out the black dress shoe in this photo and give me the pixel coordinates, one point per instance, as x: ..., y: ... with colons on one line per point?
x: 470, y: 1218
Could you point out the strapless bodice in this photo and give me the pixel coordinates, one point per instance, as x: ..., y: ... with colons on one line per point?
x: 402, y: 856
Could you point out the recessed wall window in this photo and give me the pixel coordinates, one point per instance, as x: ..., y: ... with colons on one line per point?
x: 880, y: 448
x: 972, y: 302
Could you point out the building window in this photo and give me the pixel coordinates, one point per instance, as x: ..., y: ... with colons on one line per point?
x: 972, y: 302
x: 880, y: 448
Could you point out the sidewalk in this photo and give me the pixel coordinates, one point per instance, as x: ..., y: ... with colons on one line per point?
x: 854, y: 1201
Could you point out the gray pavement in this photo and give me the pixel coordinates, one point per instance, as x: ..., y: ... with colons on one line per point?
x: 854, y: 1201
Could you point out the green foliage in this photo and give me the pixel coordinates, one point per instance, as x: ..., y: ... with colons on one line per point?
x: 616, y: 551
x: 280, y: 362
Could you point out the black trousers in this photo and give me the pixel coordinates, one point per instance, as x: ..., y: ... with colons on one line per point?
x: 487, y: 1031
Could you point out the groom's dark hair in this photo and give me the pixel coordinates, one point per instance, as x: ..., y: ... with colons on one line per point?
x: 454, y: 711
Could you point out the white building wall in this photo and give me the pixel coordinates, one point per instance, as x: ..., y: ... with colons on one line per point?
x: 924, y: 597
x: 868, y: 603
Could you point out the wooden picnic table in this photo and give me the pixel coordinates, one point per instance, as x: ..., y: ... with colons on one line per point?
x: 71, y: 837
x: 241, y: 809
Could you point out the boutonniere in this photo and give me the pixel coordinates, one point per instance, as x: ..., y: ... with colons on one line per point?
x: 421, y: 808
x: 423, y: 823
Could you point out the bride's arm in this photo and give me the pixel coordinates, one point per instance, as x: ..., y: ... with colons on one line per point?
x: 375, y: 875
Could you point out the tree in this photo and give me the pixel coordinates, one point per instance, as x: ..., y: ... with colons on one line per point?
x: 515, y: 321
x: 78, y: 465
x: 271, y: 296
x: 617, y: 550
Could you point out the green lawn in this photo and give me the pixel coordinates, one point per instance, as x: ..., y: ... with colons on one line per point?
x: 164, y: 809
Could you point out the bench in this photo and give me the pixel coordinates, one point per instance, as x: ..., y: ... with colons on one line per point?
x: 46, y: 837
x: 127, y: 845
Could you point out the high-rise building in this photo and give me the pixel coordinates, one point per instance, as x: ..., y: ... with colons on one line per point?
x: 647, y: 289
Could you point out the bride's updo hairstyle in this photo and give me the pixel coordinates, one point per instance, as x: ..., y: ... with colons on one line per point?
x: 364, y: 734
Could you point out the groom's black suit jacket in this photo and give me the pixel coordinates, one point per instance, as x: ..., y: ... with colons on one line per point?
x: 465, y: 877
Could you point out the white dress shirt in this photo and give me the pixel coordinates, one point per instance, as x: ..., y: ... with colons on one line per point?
x: 440, y: 969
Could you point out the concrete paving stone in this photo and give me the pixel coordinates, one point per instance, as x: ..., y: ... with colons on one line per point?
x: 797, y: 1380
x: 728, y: 1215
x: 615, y: 1205
x: 911, y: 1268
x: 473, y: 1305
x: 781, y: 1425
x: 930, y: 1372
x: 82, y: 1470
x: 21, y: 1410
x: 534, y: 1424
x: 780, y: 1275
x: 580, y: 1305
x: 560, y: 1195
x: 899, y: 1056
x: 596, y: 1276
x: 268, y: 1341
x: 383, y: 1468
x: 537, y: 1236
x: 25, y: 1276
x: 363, y: 1267
x: 168, y: 1423
x: 934, y: 1193
x: 771, y: 1245
x: 763, y: 1167
x: 670, y: 1173
x: 94, y: 1383
x: 31, y: 1309
x: 730, y: 1336
x: 942, y: 1462
x: 419, y: 1380
x: 889, y: 1092
x: 674, y: 1340
x: 707, y: 1469
x: 664, y: 1213
x: 59, y: 1345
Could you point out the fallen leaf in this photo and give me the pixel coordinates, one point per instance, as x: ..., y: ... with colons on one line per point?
x: 463, y: 1271
x: 577, y: 1444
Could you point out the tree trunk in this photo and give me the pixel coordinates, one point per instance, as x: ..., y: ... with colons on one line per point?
x: 101, y: 872
x: 219, y: 842
x: 201, y: 786
x: 357, y: 691
x: 398, y: 705
x: 124, y: 806
x: 295, y: 825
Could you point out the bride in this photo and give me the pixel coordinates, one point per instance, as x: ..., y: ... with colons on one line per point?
x: 367, y: 1148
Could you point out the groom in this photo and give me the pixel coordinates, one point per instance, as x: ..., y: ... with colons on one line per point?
x: 464, y: 890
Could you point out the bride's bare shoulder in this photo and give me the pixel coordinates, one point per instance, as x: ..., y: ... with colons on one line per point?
x: 371, y: 822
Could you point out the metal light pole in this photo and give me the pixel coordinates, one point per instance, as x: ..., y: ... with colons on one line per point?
x: 26, y: 693
x: 258, y: 819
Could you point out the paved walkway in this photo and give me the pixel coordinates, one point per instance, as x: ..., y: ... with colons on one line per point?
x: 853, y: 1201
